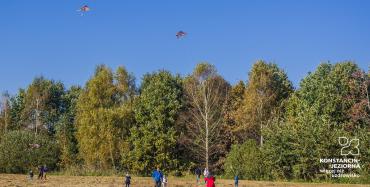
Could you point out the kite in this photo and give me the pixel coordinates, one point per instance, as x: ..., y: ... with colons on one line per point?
x: 180, y: 34
x: 84, y: 9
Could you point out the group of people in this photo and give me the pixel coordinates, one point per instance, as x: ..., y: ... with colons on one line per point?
x: 42, y: 173
x: 210, y: 179
x: 159, y: 179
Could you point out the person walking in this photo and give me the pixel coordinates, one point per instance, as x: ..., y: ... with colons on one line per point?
x: 236, y: 180
x: 157, y: 177
x: 127, y: 180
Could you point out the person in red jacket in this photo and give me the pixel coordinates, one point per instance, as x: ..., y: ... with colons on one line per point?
x: 210, y: 181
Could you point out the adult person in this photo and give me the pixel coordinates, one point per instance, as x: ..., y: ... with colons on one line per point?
x: 157, y: 177
x: 44, y: 172
x: 210, y: 180
x: 41, y: 172
x: 198, y: 172
x: 127, y: 180
x: 206, y: 172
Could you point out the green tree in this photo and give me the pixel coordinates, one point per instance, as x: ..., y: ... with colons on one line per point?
x: 5, y: 117
x: 101, y: 124
x: 41, y: 105
x: 17, y: 155
x: 17, y: 105
x: 266, y: 91
x: 66, y: 129
x: 317, y: 114
x: 245, y: 161
x: 154, y: 138
x: 233, y: 114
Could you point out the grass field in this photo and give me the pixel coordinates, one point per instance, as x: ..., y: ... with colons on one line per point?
x: 56, y: 180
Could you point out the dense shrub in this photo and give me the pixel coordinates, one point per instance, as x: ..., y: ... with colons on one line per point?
x: 18, y: 156
x: 245, y: 161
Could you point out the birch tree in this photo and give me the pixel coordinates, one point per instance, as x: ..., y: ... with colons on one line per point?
x: 206, y: 94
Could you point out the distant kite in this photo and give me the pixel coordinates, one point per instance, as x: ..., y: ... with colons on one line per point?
x: 84, y: 9
x: 180, y: 34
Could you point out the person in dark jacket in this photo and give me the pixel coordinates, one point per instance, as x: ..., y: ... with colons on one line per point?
x: 127, y: 180
x: 157, y: 177
x: 236, y: 180
x: 44, y: 172
x: 198, y: 172
x: 41, y: 172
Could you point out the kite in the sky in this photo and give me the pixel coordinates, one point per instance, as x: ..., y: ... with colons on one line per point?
x: 180, y: 34
x: 84, y: 9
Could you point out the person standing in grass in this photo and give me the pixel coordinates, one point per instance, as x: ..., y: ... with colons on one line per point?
x: 127, y: 180
x: 157, y: 177
x: 198, y: 172
x: 31, y: 174
x: 206, y: 172
x: 236, y: 180
x: 164, y: 181
x: 41, y: 172
x: 210, y: 180
x: 45, y: 169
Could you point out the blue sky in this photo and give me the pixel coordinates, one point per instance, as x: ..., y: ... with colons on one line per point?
x: 49, y: 38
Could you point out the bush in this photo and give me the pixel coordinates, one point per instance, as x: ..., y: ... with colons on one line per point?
x: 18, y: 156
x: 245, y: 161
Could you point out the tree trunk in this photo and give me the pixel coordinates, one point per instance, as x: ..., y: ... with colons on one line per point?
x: 207, y: 127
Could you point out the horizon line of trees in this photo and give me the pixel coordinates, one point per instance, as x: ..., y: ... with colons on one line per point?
x: 260, y: 129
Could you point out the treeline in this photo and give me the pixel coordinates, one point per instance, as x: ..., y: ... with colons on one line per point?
x: 260, y: 129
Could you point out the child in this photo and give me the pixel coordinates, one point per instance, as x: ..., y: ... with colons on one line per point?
x: 127, y: 180
x: 31, y: 174
x: 236, y: 179
x: 164, y: 181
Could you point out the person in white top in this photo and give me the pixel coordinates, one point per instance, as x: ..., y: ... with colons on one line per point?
x: 164, y: 181
x: 206, y: 172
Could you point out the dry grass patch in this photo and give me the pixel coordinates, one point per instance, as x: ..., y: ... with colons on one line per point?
x: 11, y: 180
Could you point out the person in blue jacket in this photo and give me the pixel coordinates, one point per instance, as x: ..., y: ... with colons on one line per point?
x: 236, y: 180
x: 157, y: 177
